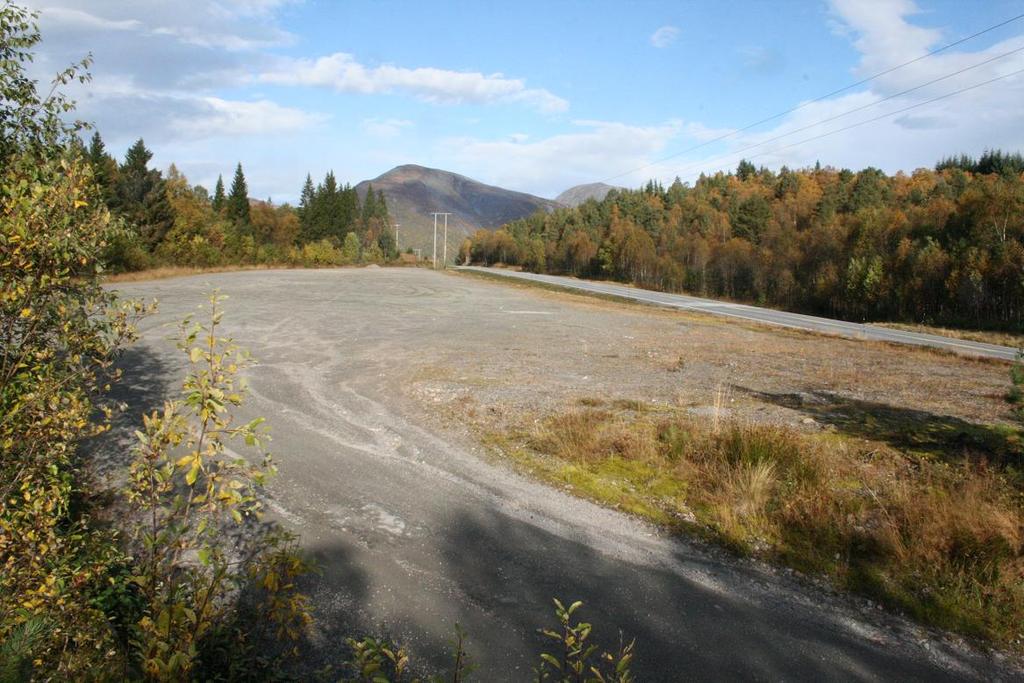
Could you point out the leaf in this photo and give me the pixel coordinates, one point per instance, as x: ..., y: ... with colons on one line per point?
x: 193, y: 474
x: 195, y: 354
x: 550, y: 659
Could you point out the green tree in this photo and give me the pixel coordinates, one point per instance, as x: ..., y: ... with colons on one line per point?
x: 350, y: 249
x: 218, y: 195
x: 237, y: 203
x: 386, y: 242
x: 306, y: 199
x: 141, y: 196
x: 104, y: 168
x: 369, y: 206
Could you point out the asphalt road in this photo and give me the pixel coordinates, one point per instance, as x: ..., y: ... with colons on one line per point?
x: 763, y: 315
x: 416, y: 531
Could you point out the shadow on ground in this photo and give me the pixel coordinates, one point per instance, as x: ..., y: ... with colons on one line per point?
x: 146, y: 382
x: 686, y: 626
x: 949, y: 438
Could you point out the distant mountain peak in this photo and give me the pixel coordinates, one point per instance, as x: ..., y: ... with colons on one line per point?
x: 413, y: 191
x: 578, y: 194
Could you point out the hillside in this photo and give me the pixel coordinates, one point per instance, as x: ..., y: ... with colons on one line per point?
x: 413, y: 192
x: 578, y: 194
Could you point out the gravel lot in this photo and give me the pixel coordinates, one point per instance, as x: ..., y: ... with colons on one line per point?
x: 363, y: 375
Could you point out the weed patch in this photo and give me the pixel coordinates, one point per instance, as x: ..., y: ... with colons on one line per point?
x: 939, y: 538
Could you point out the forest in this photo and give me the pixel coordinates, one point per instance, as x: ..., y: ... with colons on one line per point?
x: 167, y: 221
x: 936, y: 246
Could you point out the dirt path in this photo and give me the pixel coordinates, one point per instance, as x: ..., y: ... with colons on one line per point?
x: 415, y: 530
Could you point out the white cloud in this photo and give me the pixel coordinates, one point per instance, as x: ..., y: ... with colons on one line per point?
x: 385, y: 128
x: 237, y: 24
x: 200, y: 37
x: 213, y: 117
x: 72, y: 17
x: 884, y: 36
x: 343, y: 73
x: 547, y: 166
x: 664, y: 36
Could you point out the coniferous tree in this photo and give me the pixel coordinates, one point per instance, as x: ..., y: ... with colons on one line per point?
x: 141, y: 196
x: 104, y: 168
x: 306, y: 198
x: 329, y: 218
x: 348, y: 207
x: 218, y: 195
x: 369, y: 206
x: 238, y: 199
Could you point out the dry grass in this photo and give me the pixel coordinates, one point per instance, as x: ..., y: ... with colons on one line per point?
x: 942, y: 539
x: 984, y: 336
x: 164, y: 272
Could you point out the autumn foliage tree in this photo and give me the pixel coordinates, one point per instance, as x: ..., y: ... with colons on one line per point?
x: 943, y: 246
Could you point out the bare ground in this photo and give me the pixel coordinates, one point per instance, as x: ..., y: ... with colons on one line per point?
x: 378, y: 384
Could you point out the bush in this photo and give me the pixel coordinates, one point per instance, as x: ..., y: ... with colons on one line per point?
x: 187, y: 497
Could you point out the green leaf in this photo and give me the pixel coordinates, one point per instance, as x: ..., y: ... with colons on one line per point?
x: 550, y: 659
x: 193, y: 474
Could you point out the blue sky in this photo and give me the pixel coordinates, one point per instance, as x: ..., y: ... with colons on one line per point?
x: 534, y: 96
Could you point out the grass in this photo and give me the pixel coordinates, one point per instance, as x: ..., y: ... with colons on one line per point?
x: 984, y: 336
x: 939, y: 538
x: 164, y: 272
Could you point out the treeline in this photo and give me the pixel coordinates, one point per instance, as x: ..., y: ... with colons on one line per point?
x: 172, y: 222
x: 943, y: 246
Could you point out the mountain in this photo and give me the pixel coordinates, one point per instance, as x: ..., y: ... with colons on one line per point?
x: 575, y: 196
x: 413, y: 192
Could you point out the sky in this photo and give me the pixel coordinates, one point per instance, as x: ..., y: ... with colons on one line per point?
x: 537, y: 96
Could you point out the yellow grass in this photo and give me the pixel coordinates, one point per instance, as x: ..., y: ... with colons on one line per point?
x: 984, y: 336
x: 164, y: 272
x: 938, y: 536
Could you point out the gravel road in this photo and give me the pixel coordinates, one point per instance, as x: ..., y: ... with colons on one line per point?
x: 416, y: 530
x: 764, y: 315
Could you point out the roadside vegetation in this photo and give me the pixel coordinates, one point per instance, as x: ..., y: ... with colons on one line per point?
x: 935, y: 529
x: 1011, y: 339
x: 171, y: 223
x: 942, y: 246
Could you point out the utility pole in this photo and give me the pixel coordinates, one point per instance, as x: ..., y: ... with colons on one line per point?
x: 435, y: 214
x: 444, y: 259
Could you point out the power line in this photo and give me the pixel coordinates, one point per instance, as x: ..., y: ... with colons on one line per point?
x: 856, y: 109
x: 730, y: 134
x: 884, y: 116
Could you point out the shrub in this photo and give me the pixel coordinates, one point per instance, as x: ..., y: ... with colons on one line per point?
x: 186, y: 493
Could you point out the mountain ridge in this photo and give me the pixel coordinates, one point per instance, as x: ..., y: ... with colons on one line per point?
x: 412, y: 192
x: 578, y: 194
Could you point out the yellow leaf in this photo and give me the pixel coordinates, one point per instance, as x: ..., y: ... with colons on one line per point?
x: 26, y: 312
x: 193, y: 474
